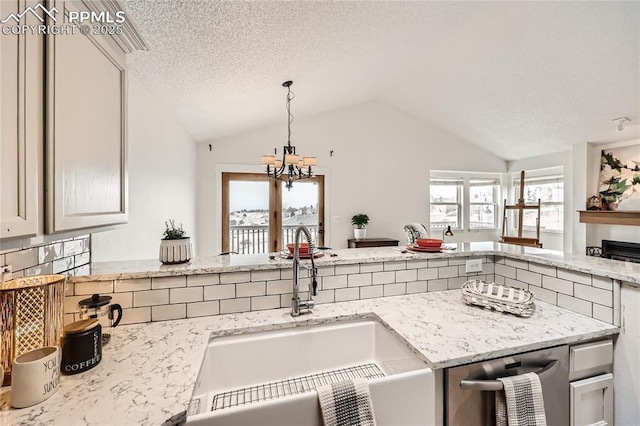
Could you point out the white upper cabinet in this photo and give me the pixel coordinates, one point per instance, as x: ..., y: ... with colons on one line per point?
x: 21, y: 125
x: 86, y: 143
x: 67, y: 116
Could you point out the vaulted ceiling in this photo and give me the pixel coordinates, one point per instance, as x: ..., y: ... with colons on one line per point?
x: 517, y: 78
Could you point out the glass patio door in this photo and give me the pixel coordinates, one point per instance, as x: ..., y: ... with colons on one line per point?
x: 259, y: 215
x: 245, y: 215
x: 302, y: 205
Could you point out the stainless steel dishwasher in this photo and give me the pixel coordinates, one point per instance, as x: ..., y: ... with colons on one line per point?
x: 470, y: 389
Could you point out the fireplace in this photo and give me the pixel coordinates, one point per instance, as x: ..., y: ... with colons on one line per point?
x: 620, y: 250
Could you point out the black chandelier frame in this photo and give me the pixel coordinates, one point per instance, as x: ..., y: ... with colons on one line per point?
x: 287, y: 171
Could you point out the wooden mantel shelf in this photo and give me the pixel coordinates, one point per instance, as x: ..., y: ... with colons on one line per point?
x: 609, y: 217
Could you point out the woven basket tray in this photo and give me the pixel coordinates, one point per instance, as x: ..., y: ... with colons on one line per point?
x: 517, y: 301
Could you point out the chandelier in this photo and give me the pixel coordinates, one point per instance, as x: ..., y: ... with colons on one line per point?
x: 292, y: 167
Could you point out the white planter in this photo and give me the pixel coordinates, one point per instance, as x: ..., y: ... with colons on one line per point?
x: 359, y: 234
x: 175, y: 251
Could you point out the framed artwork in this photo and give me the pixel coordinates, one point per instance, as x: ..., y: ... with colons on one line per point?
x: 619, y: 183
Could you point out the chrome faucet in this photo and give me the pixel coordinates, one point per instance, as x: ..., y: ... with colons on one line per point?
x: 298, y: 307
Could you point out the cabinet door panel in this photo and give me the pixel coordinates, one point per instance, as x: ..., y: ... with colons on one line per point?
x: 89, y: 167
x: 87, y: 143
x: 20, y: 125
x: 592, y: 401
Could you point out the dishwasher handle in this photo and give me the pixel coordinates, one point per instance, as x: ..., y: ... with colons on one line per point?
x: 496, y: 385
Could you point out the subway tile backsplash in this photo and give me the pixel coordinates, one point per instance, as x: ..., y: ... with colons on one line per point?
x: 70, y: 256
x: 579, y: 292
x: 159, y: 299
x: 23, y: 259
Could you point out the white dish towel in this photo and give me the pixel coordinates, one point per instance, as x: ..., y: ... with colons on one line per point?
x: 346, y: 403
x: 521, y: 403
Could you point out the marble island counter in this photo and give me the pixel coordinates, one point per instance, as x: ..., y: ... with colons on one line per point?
x: 148, y: 370
x: 137, y: 269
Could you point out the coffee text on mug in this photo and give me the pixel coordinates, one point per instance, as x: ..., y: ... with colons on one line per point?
x: 82, y: 365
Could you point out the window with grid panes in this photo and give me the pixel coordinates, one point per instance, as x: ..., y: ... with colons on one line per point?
x: 550, y: 190
x: 483, y: 203
x: 446, y: 202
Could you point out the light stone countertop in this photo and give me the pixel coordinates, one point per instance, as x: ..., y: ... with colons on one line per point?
x: 614, y: 269
x: 147, y: 370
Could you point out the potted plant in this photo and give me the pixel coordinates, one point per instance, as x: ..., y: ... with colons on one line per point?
x: 175, y: 246
x: 360, y: 222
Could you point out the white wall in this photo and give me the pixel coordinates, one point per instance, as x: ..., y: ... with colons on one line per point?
x: 380, y: 166
x: 563, y: 160
x: 579, y: 157
x: 162, y: 180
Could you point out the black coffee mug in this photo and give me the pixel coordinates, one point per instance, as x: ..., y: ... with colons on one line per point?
x: 81, y: 351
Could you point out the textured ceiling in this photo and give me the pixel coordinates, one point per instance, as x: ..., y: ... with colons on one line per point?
x: 518, y: 78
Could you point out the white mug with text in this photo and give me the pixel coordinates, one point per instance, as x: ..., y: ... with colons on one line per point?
x: 35, y: 376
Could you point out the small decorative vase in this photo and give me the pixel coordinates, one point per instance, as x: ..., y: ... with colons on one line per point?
x: 175, y: 251
x: 359, y: 234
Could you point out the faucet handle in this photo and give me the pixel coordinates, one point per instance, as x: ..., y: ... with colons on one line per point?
x: 309, y: 304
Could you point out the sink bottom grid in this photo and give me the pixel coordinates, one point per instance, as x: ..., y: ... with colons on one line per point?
x: 292, y: 386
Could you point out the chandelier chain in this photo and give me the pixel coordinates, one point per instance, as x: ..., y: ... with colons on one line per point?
x: 290, y: 96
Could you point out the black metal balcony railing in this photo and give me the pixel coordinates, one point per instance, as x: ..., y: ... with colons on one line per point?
x: 249, y: 239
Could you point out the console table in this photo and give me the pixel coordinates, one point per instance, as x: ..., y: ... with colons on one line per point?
x: 371, y: 242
